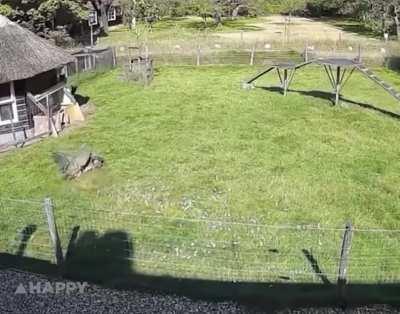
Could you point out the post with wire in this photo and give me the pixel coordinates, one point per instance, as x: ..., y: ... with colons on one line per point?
x: 92, y: 20
x: 344, y: 261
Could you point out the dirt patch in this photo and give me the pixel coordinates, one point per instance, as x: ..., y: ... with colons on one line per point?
x: 299, y: 29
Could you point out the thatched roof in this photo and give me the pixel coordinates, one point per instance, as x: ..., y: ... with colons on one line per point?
x: 24, y: 54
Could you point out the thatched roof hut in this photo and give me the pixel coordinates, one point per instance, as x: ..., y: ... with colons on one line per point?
x: 24, y: 54
x: 32, y: 81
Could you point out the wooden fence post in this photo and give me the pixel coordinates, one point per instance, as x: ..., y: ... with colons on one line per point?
x: 55, y: 239
x: 114, y: 56
x: 198, y: 62
x: 253, y: 52
x: 306, y: 53
x: 94, y: 65
x: 344, y: 258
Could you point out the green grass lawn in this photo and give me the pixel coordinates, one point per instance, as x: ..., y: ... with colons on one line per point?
x: 195, y: 145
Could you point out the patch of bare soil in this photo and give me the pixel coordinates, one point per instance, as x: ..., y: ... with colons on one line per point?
x: 272, y: 28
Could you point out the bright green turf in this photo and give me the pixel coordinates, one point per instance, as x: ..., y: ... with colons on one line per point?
x: 194, y: 144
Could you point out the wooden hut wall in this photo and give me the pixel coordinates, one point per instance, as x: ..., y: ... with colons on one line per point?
x: 25, y: 109
x: 23, y: 121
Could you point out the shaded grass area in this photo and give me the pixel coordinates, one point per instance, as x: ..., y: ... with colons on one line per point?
x: 195, y: 145
x: 354, y: 26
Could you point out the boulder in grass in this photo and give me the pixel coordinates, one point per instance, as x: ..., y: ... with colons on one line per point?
x: 73, y: 165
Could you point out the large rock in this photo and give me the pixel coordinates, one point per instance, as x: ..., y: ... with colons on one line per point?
x: 73, y: 165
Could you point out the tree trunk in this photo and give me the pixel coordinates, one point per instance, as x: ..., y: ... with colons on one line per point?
x: 397, y: 21
x: 104, y: 19
x: 217, y: 18
x: 205, y: 20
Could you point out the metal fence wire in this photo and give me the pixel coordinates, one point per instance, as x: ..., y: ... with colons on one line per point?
x: 92, y: 60
x: 214, y: 249
x: 24, y: 230
x: 214, y: 51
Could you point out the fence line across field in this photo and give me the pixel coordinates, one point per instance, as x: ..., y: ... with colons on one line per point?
x: 207, y: 248
x: 213, y: 51
x: 242, y: 223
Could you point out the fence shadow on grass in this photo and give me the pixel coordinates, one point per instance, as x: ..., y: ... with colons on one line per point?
x: 315, y: 266
x: 26, y: 233
x: 106, y: 259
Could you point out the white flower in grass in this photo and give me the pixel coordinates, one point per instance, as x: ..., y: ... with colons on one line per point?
x: 178, y: 47
x: 383, y: 50
x: 350, y: 48
x: 267, y: 46
x: 217, y: 46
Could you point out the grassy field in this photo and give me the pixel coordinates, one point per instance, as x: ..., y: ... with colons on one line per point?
x: 195, y: 145
x: 269, y: 34
x: 183, y: 28
x: 269, y: 28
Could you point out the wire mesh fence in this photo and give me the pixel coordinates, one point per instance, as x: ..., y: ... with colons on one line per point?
x: 24, y: 231
x: 375, y: 256
x: 216, y: 51
x: 183, y: 247
x: 93, y: 59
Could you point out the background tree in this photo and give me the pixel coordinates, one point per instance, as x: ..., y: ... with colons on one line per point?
x: 292, y: 6
x: 146, y: 10
x: 40, y: 15
x: 202, y: 8
x: 6, y: 10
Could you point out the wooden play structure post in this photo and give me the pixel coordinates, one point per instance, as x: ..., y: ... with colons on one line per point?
x: 285, y: 82
x: 252, y: 55
x: 338, y: 85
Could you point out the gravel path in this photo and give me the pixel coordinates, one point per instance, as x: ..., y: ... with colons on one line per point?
x: 96, y: 299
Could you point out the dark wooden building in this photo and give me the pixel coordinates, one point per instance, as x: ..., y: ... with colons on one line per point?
x: 31, y: 81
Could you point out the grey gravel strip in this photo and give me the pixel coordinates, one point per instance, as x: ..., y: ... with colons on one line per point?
x: 96, y: 299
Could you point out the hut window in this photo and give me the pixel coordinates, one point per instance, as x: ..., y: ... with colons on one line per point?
x: 5, y: 91
x: 6, y: 113
x: 112, y: 16
x: 8, y: 107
